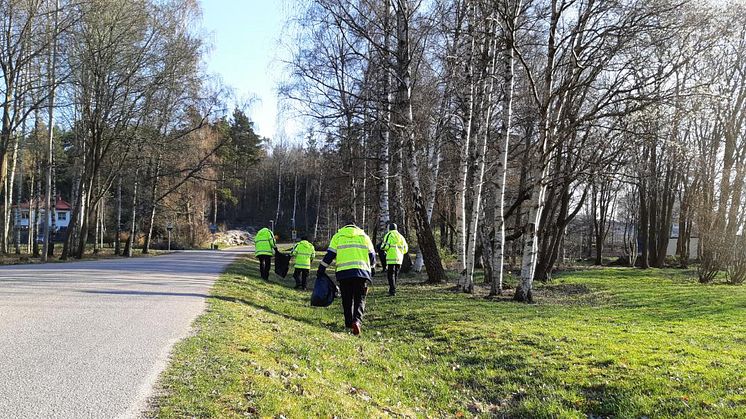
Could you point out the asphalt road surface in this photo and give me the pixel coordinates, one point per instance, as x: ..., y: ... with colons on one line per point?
x: 89, y: 339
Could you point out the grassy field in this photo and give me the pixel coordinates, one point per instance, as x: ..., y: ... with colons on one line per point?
x: 619, y: 343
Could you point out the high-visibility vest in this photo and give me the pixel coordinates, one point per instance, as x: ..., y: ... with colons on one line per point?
x: 352, y: 247
x: 395, y: 246
x: 264, y: 242
x: 304, y: 253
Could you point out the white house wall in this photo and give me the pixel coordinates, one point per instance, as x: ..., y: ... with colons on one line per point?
x: 693, y: 246
x: 60, y: 223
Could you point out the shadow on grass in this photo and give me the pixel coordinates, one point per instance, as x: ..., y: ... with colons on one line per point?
x: 301, y: 319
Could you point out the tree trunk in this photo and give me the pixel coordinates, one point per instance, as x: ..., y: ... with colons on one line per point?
x: 432, y: 194
x: 498, y: 251
x: 318, y: 211
x: 153, y: 205
x: 425, y: 237
x: 384, y: 130
x: 19, y: 199
x: 133, y: 222
x: 463, y: 168
x: 295, y: 198
x: 8, y: 197
x: 48, y: 205
x: 488, y: 52
x: 118, y: 234
x: 37, y: 214
x: 279, y: 194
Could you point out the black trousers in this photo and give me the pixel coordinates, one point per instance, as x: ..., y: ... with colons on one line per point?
x: 265, y: 264
x: 301, y: 277
x: 392, y: 272
x: 353, y: 292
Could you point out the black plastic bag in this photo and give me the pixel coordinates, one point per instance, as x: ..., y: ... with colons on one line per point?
x: 406, y: 265
x: 282, y: 263
x: 324, y: 291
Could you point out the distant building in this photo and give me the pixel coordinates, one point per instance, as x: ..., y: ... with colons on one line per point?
x: 25, y: 212
x: 674, y: 239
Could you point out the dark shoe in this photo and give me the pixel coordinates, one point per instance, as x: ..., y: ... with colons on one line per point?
x: 392, y: 293
x: 357, y: 328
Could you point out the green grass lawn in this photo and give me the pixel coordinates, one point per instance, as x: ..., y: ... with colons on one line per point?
x: 617, y: 343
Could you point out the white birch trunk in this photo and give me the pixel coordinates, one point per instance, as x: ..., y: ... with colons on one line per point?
x: 384, y: 215
x: 50, y: 137
x: 531, y: 244
x: 383, y: 183
x: 524, y: 291
x: 8, y: 203
x: 19, y: 198
x: 133, y: 225
x: 463, y: 173
x: 365, y: 181
x: 498, y: 252
x: 487, y: 93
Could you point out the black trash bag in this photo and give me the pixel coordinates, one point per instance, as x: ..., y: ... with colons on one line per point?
x: 324, y: 291
x: 282, y: 263
x: 406, y: 264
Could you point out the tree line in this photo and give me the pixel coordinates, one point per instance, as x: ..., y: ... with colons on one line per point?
x: 487, y: 126
x: 107, y: 104
x: 487, y: 129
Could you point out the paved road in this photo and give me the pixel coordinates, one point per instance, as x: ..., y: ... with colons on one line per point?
x: 89, y: 339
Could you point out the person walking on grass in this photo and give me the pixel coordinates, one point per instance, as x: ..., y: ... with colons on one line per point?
x: 304, y: 253
x: 264, y: 248
x: 355, y: 258
x: 395, y: 246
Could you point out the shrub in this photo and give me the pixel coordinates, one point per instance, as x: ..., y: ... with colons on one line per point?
x: 736, y: 262
x: 711, y: 257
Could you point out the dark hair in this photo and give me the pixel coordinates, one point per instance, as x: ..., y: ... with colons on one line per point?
x: 392, y: 226
x: 346, y: 218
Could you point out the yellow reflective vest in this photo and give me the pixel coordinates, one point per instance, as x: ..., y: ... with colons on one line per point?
x: 395, y: 246
x: 264, y: 242
x: 304, y: 253
x: 353, y: 250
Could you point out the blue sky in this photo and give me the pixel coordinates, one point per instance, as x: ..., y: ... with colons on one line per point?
x: 244, y: 36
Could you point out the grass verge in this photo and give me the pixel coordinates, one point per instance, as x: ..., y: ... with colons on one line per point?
x: 600, y: 343
x: 104, y: 253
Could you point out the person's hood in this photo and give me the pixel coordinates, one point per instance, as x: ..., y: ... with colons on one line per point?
x: 351, y: 231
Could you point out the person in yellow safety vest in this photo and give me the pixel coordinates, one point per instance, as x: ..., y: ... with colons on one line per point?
x: 356, y: 260
x: 264, y: 249
x: 395, y: 246
x: 304, y: 253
